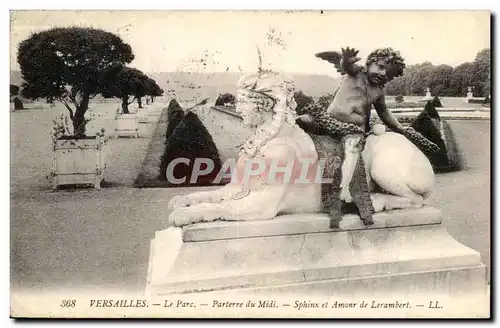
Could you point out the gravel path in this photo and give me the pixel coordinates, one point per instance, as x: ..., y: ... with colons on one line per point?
x: 464, y: 197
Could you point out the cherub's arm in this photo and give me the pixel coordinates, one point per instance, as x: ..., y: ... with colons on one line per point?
x: 386, y: 115
x: 348, y: 61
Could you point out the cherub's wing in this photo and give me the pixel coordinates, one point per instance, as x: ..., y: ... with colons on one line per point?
x: 333, y: 57
x: 330, y: 56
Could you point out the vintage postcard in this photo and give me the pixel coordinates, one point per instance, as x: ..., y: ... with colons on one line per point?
x: 250, y: 164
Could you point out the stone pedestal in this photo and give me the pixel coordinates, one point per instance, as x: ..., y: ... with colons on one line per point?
x: 469, y: 93
x: 405, y: 252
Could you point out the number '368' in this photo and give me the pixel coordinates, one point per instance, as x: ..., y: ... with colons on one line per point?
x: 68, y: 303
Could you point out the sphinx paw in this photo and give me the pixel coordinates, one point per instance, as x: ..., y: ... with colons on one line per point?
x: 378, y: 202
x: 181, y: 216
x: 179, y: 201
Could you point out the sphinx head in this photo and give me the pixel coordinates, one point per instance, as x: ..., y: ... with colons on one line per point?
x: 264, y: 96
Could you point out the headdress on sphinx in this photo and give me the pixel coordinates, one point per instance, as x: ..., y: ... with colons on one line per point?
x: 268, y: 89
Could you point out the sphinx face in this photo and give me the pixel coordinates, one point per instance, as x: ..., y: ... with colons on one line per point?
x: 248, y: 110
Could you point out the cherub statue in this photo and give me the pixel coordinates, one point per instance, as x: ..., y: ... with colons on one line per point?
x: 348, y: 115
x: 265, y: 101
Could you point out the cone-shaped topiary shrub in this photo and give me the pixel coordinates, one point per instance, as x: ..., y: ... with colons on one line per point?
x: 225, y: 99
x: 175, y: 114
x: 190, y: 140
x: 18, y: 104
x: 436, y: 102
x: 429, y: 124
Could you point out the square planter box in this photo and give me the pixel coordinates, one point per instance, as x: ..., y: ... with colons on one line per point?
x: 79, y: 161
x: 127, y: 125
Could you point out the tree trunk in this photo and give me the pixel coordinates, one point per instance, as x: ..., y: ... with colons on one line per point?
x: 147, y: 100
x: 79, y: 123
x: 139, y: 101
x: 152, y: 99
x: 125, y: 105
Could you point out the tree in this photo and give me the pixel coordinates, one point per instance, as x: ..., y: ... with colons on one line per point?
x: 67, y: 64
x: 461, y: 79
x: 487, y: 85
x: 445, y: 80
x: 439, y: 80
x: 147, y: 87
x: 14, y: 90
x: 481, y: 73
x: 397, y: 86
x: 123, y: 83
x: 417, y: 78
x: 420, y: 78
x: 153, y: 89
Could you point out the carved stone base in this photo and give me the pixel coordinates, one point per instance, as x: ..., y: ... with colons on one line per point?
x: 404, y: 253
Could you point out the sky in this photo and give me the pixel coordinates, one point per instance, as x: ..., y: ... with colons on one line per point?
x: 166, y: 41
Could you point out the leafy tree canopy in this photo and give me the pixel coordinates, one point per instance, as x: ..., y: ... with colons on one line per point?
x: 444, y: 80
x: 67, y: 64
x: 125, y: 82
x: 14, y: 90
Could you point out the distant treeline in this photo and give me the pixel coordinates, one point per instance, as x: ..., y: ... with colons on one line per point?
x: 445, y: 80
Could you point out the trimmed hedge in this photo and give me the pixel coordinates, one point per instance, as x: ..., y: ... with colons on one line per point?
x: 190, y: 139
x: 430, y: 109
x: 406, y: 105
x: 225, y: 99
x: 399, y: 99
x: 436, y: 102
x: 175, y: 114
x: 430, y: 128
x: 479, y: 101
x: 18, y: 104
x: 430, y: 125
x: 475, y: 101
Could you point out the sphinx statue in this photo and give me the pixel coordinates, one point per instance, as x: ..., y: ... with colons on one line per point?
x: 398, y: 174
